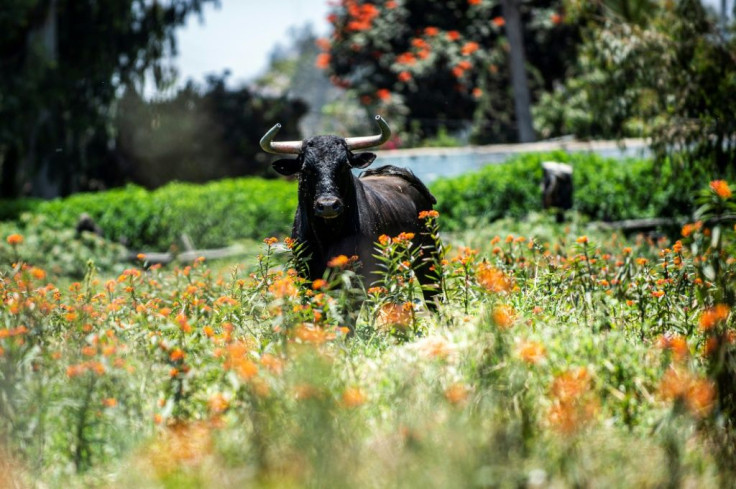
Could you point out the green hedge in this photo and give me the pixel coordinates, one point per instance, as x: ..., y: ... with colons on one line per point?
x: 217, y: 213
x: 213, y: 214
x: 604, y: 189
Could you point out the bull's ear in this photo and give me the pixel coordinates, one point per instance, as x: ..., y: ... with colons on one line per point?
x: 362, y: 160
x: 287, y: 166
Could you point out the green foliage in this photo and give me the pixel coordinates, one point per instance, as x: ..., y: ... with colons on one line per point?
x: 201, y: 133
x: 666, y: 71
x: 212, y: 215
x: 604, y: 189
x: 219, y: 213
x: 63, y: 64
x: 59, y: 250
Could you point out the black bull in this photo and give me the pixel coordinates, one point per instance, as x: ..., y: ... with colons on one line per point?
x: 341, y: 214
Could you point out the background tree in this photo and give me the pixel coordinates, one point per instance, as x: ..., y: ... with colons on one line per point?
x: 62, y: 64
x: 201, y: 133
x: 667, y: 72
x: 443, y: 64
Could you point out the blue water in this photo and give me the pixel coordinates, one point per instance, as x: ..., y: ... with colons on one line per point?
x: 430, y: 164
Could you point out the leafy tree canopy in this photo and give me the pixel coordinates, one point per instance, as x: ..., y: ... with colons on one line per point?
x: 62, y: 63
x: 668, y: 73
x: 443, y: 64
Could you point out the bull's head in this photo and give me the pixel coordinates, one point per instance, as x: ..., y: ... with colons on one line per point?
x: 324, y: 165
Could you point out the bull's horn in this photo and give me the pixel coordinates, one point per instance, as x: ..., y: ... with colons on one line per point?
x: 281, y: 147
x: 371, y: 141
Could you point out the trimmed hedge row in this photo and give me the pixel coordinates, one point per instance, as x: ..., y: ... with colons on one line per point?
x: 214, y: 214
x: 604, y: 189
x: 217, y: 213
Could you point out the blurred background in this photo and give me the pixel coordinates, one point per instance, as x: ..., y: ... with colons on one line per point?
x: 96, y: 94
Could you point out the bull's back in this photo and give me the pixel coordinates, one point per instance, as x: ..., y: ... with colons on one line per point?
x: 395, y: 196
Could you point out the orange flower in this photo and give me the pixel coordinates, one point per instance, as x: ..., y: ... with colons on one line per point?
x: 319, y: 284
x: 38, y: 273
x: 531, y: 351
x: 391, y: 4
x: 555, y: 18
x: 340, y: 261
x: 677, y: 344
x: 582, y: 240
x: 176, y: 354
x: 658, y: 293
x: 453, y: 35
x: 469, y: 48
x: 384, y: 94
x: 493, y: 279
x: 435, y: 347
x: 503, y: 316
x: 14, y: 239
x: 353, y: 397
x: 499, y: 21
x: 404, y: 76
x: 323, y: 44
x: 713, y: 316
x: 394, y: 315
x: 431, y: 31
x: 283, y: 288
x: 697, y: 394
x: 238, y: 361
x: 309, y: 333
x: 218, y: 403
x: 110, y: 402
x: 406, y: 59
x: 474, y: 2
x: 720, y: 187
x: 428, y: 214
x: 457, y: 393
x: 572, y: 404
x: 477, y: 92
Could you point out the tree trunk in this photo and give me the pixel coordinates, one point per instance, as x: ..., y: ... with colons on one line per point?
x: 517, y: 61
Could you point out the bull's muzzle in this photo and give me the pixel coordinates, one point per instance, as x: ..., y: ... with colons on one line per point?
x: 328, y: 207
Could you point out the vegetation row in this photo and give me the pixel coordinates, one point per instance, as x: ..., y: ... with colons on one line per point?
x: 218, y: 213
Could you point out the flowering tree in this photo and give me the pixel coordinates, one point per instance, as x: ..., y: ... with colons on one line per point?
x: 444, y: 64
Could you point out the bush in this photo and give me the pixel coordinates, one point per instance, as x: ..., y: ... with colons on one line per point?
x: 213, y: 214
x: 604, y: 189
x: 218, y: 213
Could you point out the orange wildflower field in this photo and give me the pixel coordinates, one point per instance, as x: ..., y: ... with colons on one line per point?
x: 556, y: 355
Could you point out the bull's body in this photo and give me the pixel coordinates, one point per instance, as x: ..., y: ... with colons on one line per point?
x: 341, y: 214
x: 382, y: 201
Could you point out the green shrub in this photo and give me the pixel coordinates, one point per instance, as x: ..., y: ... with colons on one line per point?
x: 604, y: 189
x: 212, y: 215
x: 60, y: 252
